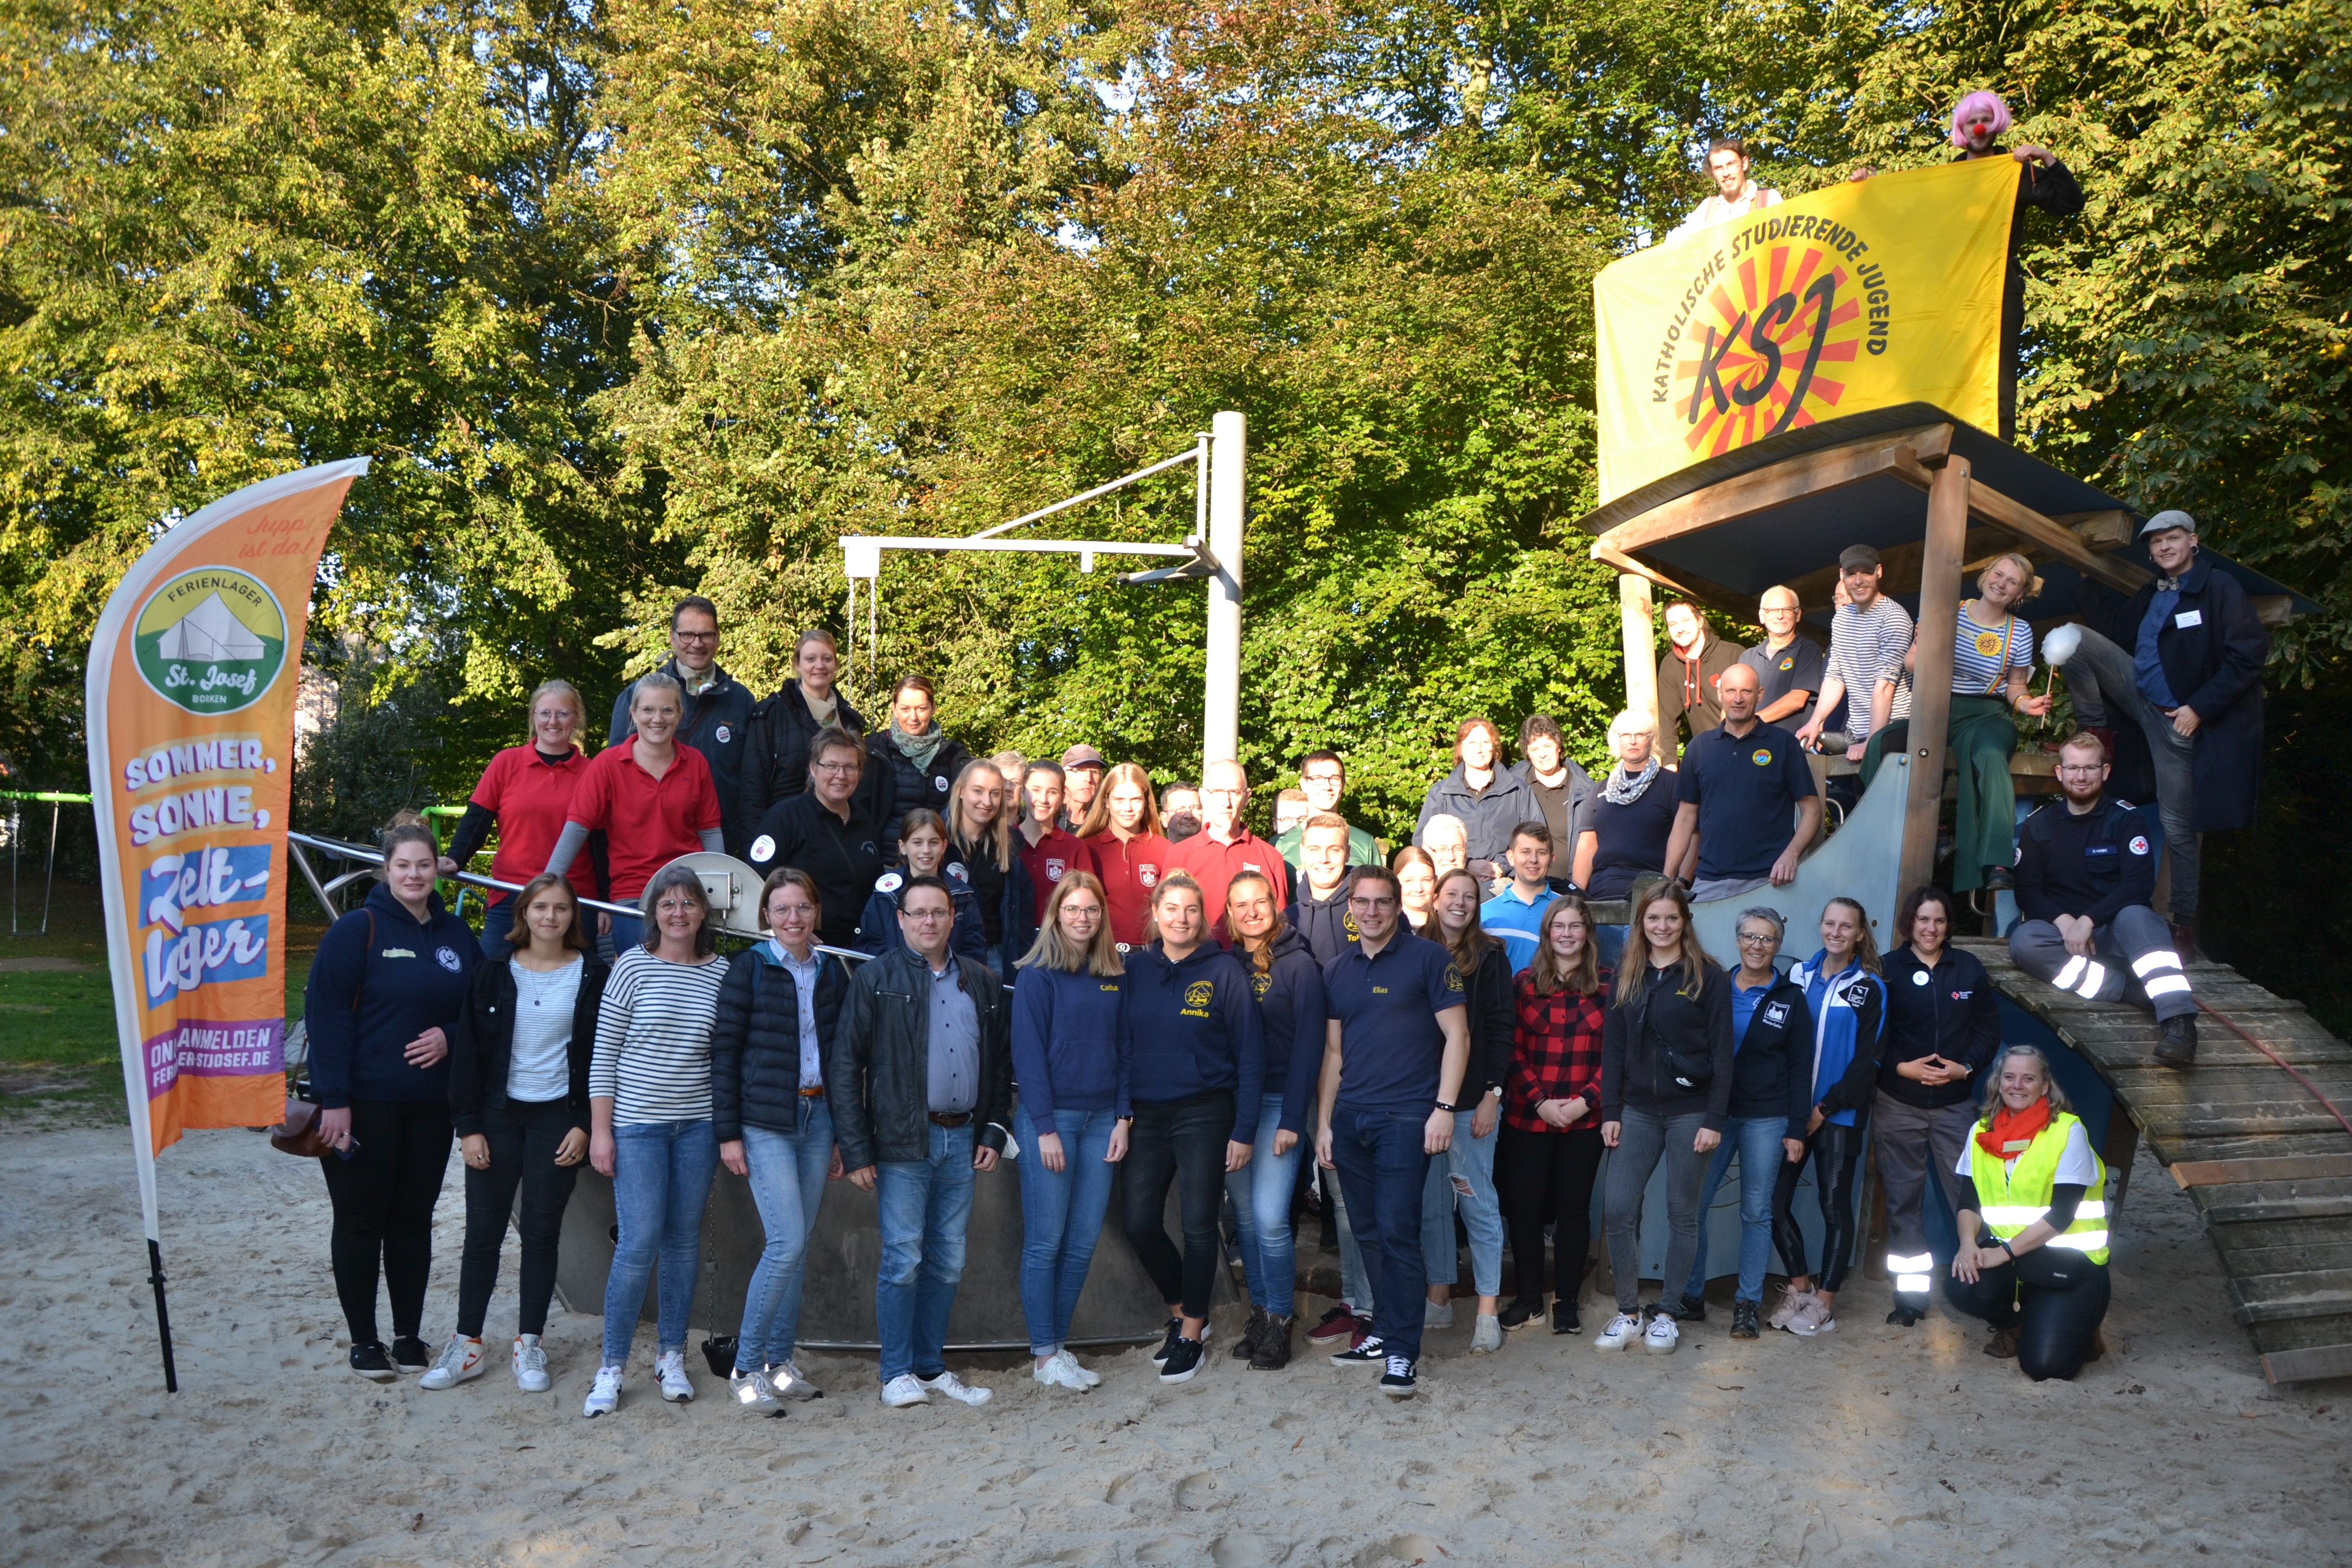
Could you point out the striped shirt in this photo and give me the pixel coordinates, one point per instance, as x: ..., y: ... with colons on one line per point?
x: 653, y: 1038
x: 1983, y: 656
x: 1867, y: 646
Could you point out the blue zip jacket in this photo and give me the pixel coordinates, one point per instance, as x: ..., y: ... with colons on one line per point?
x: 1069, y: 1042
x: 1849, y: 1010
x: 1291, y: 1010
x: 365, y: 999
x: 877, y: 927
x: 1195, y: 1030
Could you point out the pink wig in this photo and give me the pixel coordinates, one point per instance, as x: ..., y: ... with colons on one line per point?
x: 1971, y: 104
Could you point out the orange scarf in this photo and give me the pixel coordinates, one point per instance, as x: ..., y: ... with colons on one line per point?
x: 2011, y: 1132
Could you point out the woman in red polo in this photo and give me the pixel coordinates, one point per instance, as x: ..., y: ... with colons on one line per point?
x: 1122, y: 833
x: 652, y: 798
x: 526, y: 792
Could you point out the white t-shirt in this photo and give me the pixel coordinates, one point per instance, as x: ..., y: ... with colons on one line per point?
x: 1716, y: 210
x: 2077, y: 1166
x: 539, y: 1067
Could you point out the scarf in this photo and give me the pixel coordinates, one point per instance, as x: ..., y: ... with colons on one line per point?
x: 1624, y: 788
x: 919, y: 749
x: 822, y: 712
x: 2011, y: 1132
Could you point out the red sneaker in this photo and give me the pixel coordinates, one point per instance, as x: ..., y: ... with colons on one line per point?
x: 1337, y: 1323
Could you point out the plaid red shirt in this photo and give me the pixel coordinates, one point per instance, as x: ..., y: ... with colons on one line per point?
x: 1555, y: 1055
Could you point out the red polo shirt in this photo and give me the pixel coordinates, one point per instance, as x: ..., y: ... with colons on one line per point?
x: 1129, y: 872
x: 1048, y: 860
x: 1214, y: 865
x: 648, y: 822
x: 531, y: 798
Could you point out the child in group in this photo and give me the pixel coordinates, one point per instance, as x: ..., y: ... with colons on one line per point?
x: 922, y: 846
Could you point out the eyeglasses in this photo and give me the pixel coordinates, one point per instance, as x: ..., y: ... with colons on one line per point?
x: 711, y: 635
x: 1747, y: 936
x: 850, y: 767
x: 2080, y: 767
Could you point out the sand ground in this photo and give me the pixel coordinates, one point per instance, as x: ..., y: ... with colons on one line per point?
x: 1875, y: 1446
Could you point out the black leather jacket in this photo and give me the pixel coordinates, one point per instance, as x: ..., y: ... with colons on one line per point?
x: 878, y: 1081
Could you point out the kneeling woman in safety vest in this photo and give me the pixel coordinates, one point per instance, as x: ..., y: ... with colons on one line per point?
x: 2033, y: 1195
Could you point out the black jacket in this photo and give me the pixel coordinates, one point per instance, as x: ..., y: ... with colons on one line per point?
x: 2215, y: 666
x: 2094, y: 865
x: 1494, y: 1019
x: 755, y: 1041
x: 775, y: 756
x: 481, y: 1043
x: 1773, y: 1065
x: 717, y: 724
x: 842, y: 859
x: 879, y: 1082
x: 1637, y: 1034
x: 911, y: 787
x: 1950, y: 1011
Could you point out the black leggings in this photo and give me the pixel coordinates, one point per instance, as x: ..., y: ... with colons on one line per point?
x: 2054, y: 1299
x: 523, y: 1139
x: 383, y: 1198
x: 1182, y: 1142
x: 1833, y: 1152
x: 1540, y: 1176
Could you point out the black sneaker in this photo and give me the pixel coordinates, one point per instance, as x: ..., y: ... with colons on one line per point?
x: 1563, y: 1318
x: 1744, y: 1324
x: 1365, y: 1352
x: 1693, y: 1309
x: 1167, y: 1346
x: 371, y: 1362
x: 1182, y: 1360
x: 1397, y: 1382
x: 1246, y: 1346
x: 410, y: 1353
x: 1273, y: 1351
x: 1902, y: 1317
x: 1522, y: 1312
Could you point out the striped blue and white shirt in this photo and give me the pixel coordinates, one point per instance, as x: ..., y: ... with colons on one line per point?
x: 653, y: 1038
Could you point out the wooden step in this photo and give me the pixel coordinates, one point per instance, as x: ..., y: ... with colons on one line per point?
x: 2288, y: 1168
x: 2269, y: 1298
x: 2307, y: 1364
x: 2252, y: 1203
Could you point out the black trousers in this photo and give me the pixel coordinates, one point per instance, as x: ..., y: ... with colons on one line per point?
x: 523, y: 1139
x: 1540, y: 1176
x: 383, y: 1198
x: 1182, y: 1142
x: 1833, y: 1152
x: 2055, y: 1298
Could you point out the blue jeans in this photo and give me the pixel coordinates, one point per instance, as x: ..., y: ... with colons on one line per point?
x: 661, y: 1183
x: 1061, y: 1219
x: 1757, y: 1141
x: 924, y: 1207
x: 1467, y: 1174
x: 628, y: 931
x: 1355, y: 1285
x: 497, y: 921
x: 1609, y: 943
x: 1383, y: 1169
x: 788, y: 1172
x: 1261, y: 1190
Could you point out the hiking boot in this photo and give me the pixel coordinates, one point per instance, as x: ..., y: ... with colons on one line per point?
x: 2175, y: 1045
x: 2003, y: 1344
x: 1246, y: 1347
x: 1744, y: 1325
x: 1273, y: 1351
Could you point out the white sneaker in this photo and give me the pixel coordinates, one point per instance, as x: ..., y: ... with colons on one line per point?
x: 669, y: 1371
x: 1792, y: 1302
x: 790, y: 1382
x: 461, y: 1362
x: 1070, y: 1364
x: 754, y: 1394
x: 605, y: 1397
x: 1663, y: 1334
x: 1622, y: 1331
x: 1060, y: 1372
x: 1437, y: 1314
x: 957, y: 1389
x: 531, y: 1364
x: 904, y: 1390
x: 1812, y: 1318
x: 1487, y: 1337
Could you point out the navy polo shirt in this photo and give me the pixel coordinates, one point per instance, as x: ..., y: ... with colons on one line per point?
x: 1799, y: 667
x: 1391, y: 1047
x: 1746, y: 788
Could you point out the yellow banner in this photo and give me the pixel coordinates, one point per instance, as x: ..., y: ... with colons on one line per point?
x: 191, y: 720
x: 1860, y: 296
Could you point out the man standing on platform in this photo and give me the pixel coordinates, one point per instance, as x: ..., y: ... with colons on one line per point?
x: 1735, y: 195
x: 717, y: 720
x: 1789, y: 666
x: 1324, y: 778
x: 2086, y: 871
x: 1741, y: 786
x: 1689, y: 674
x: 1868, y: 637
x: 1224, y: 847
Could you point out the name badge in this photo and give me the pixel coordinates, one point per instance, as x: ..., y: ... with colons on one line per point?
x: 2188, y: 618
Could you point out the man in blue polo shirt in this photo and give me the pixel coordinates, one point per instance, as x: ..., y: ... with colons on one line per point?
x: 1394, y: 1051
x: 1512, y: 915
x: 1742, y: 787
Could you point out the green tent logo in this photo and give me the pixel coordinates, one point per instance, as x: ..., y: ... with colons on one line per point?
x: 211, y: 640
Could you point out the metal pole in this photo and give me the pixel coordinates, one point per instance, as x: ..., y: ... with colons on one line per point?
x: 162, y: 1314
x: 1221, y: 709
x: 49, y: 884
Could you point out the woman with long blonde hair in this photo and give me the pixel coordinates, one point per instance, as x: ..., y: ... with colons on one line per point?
x: 1122, y: 831
x: 1548, y: 1150
x: 981, y: 839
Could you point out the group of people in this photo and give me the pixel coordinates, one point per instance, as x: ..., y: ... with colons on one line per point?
x: 1133, y: 993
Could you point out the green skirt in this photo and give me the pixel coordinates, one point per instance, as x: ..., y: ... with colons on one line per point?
x: 1984, y: 827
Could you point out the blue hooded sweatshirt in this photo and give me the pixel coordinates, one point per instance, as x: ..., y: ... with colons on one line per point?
x: 381, y: 978
x: 1195, y: 1029
x: 1849, y: 1010
x: 1291, y: 1008
x: 1069, y: 1042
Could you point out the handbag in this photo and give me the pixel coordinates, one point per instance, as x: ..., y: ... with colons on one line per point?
x: 1689, y: 1073
x: 299, y: 1134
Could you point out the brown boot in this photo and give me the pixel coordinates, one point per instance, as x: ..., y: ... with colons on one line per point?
x: 2003, y: 1344
x: 2098, y: 1346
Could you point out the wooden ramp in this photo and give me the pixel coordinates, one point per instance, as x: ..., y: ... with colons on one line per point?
x: 2268, y: 1168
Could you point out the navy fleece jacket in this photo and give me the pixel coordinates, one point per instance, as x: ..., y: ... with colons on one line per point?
x: 1069, y: 1042
x: 366, y: 1000
x: 1195, y: 1029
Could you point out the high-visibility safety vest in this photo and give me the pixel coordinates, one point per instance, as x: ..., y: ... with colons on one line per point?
x: 2014, y: 1197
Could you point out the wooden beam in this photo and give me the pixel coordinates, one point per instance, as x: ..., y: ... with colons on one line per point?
x: 1831, y: 469
x: 2288, y: 1168
x: 1899, y: 567
x: 2030, y: 526
x: 1640, y: 634
x: 2102, y: 530
x: 2309, y: 1364
x: 1682, y: 585
x: 1931, y: 685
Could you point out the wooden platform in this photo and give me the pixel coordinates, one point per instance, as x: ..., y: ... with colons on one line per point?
x: 2268, y: 1168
